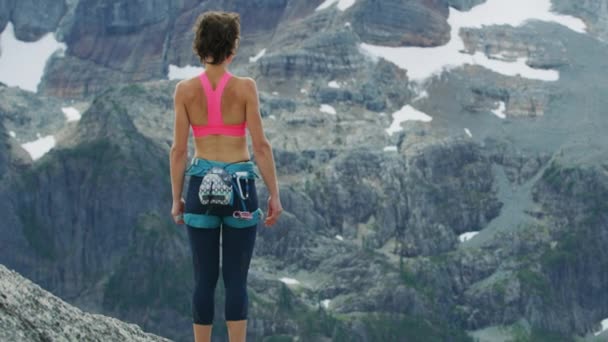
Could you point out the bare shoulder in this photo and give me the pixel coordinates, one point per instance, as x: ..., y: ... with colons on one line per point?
x: 246, y: 84
x: 186, y: 88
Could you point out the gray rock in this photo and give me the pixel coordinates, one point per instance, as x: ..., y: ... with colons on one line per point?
x: 6, y: 7
x: 4, y: 153
x: 31, y: 18
x: 465, y: 5
x: 402, y: 23
x: 593, y: 12
x: 29, y: 115
x: 382, y: 86
x: 30, y: 313
x: 450, y: 190
x: 508, y: 43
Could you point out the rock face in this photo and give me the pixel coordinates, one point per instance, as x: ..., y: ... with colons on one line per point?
x: 32, y: 19
x: 593, y: 12
x: 30, y: 313
x: 509, y: 43
x: 402, y: 23
x: 573, y: 197
x: 17, y: 115
x: 331, y: 54
x: 103, y: 39
x: 108, y: 47
x: 550, y: 257
x: 4, y: 155
x: 464, y: 5
x: 103, y: 149
x: 374, y: 224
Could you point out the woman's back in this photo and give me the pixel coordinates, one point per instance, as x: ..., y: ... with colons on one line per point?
x: 231, y: 109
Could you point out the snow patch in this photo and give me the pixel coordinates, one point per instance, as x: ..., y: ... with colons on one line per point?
x: 303, y: 91
x: 325, y: 108
x: 333, y: 84
x: 604, y: 323
x: 71, y: 113
x: 325, y: 303
x: 342, y: 4
x: 275, y: 93
x: 12, y: 134
x: 271, y: 116
x: 40, y: 146
x: 466, y: 130
x: 406, y: 113
x: 289, y: 281
x: 466, y: 236
x: 339, y: 237
x: 492, y: 12
x: 181, y: 73
x: 255, y: 58
x: 500, y: 112
x: 391, y: 148
x: 22, y: 63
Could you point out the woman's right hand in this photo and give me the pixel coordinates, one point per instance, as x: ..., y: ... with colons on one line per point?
x: 274, y: 210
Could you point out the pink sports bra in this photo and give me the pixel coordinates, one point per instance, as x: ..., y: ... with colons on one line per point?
x: 215, y: 124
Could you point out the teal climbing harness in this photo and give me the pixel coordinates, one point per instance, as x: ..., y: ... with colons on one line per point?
x: 221, y: 182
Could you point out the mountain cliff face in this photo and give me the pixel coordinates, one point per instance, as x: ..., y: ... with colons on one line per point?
x: 595, y: 14
x: 129, y: 41
x: 487, y: 222
x: 32, y: 19
x: 29, y: 313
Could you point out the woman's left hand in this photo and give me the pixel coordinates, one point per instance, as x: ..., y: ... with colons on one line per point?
x: 177, y: 211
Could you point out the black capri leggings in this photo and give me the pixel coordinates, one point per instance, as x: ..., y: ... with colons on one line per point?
x: 237, y: 245
x: 237, y: 249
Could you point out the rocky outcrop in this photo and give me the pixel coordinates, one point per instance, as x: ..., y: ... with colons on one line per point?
x: 29, y: 115
x: 72, y: 77
x: 519, y: 166
x: 508, y: 43
x: 105, y: 48
x: 32, y: 19
x: 483, y: 92
x: 464, y: 5
x: 106, y: 35
x: 399, y: 23
x: 384, y: 86
x: 119, y: 165
x: 30, y: 313
x: 593, y: 12
x: 108, y: 46
x: 5, y: 152
x: 451, y: 190
x: 103, y: 39
x: 6, y: 6
x: 549, y: 258
x: 574, y: 198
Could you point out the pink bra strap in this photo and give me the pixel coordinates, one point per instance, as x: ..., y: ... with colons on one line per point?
x: 221, y: 84
x: 214, y: 97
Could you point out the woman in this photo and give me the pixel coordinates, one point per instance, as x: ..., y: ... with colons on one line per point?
x: 219, y: 106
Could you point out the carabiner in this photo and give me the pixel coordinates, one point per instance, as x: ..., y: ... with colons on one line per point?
x: 240, y: 174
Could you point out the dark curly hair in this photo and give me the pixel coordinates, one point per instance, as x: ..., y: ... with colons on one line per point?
x: 216, y: 35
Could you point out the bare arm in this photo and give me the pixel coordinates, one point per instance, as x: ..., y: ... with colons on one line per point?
x: 179, y: 151
x: 261, y: 146
x: 262, y: 151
